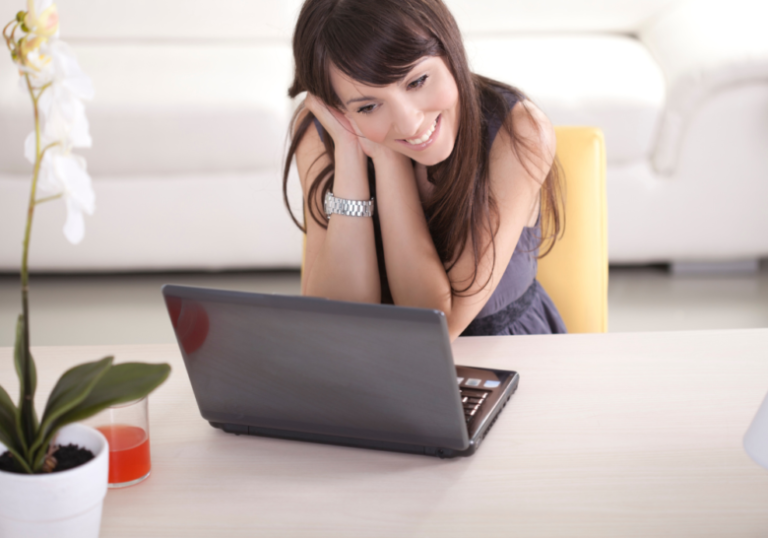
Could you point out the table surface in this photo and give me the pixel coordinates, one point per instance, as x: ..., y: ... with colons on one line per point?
x: 635, y: 434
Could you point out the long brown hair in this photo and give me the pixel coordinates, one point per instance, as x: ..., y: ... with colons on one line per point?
x: 377, y: 42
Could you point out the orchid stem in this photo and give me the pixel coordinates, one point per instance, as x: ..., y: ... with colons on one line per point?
x: 5, y: 30
x: 27, y: 403
x: 48, y: 198
x: 42, y: 89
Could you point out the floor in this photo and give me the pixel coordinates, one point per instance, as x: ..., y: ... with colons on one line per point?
x: 128, y: 309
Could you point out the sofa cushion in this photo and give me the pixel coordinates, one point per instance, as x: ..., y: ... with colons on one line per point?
x: 617, y: 16
x: 249, y: 19
x: 704, y: 50
x: 150, y: 222
x: 170, y: 108
x: 166, y: 20
x: 611, y: 82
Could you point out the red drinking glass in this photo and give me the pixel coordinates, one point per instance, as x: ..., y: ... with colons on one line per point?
x: 126, y: 428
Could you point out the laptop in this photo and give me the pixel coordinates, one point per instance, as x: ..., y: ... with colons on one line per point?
x: 353, y: 374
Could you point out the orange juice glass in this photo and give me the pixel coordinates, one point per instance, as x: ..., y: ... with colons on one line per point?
x: 126, y: 428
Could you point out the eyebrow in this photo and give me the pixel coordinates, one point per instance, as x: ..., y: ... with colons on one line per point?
x: 357, y: 99
x: 367, y: 98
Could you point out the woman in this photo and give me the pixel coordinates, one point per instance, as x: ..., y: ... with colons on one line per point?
x: 432, y: 176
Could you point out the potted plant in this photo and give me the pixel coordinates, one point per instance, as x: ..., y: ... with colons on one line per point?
x: 53, y: 471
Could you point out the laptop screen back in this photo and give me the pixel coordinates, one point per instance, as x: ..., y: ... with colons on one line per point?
x: 374, y: 372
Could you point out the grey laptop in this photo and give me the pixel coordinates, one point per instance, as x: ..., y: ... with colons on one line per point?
x: 373, y: 376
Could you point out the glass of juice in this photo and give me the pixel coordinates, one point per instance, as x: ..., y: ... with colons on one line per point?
x: 126, y: 428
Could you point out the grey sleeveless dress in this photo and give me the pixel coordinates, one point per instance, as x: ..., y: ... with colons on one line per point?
x: 518, y: 305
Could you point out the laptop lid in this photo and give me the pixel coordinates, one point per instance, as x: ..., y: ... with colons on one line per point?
x: 339, y: 369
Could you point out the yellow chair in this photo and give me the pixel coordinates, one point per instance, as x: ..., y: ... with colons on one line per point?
x: 575, y: 272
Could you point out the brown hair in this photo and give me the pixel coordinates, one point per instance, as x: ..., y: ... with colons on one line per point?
x: 376, y: 42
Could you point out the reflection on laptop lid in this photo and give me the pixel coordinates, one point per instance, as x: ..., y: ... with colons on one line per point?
x: 374, y: 376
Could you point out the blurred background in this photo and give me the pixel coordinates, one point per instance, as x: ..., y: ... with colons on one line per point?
x: 190, y: 121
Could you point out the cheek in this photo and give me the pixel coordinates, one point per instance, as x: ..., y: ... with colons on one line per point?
x: 447, y: 99
x: 374, y: 130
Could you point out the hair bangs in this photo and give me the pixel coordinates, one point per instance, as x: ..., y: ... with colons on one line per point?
x: 379, y: 49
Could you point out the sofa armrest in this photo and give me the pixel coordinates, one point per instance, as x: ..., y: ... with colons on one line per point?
x: 703, y: 47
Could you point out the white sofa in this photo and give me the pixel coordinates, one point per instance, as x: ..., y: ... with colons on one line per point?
x: 191, y: 115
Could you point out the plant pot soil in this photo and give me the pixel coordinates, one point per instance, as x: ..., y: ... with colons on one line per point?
x: 67, y: 457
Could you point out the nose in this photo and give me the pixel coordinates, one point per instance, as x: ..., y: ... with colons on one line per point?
x: 409, y: 119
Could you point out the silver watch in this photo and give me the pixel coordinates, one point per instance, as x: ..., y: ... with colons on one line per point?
x: 350, y: 208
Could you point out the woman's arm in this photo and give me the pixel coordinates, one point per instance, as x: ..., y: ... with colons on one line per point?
x: 340, y: 261
x: 416, y: 275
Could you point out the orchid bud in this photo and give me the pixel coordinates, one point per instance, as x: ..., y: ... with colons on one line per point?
x: 20, y: 16
x: 24, y: 27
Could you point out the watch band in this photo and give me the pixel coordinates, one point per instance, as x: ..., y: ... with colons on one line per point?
x: 350, y: 208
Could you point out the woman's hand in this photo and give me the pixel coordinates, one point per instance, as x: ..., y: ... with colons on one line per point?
x: 334, y: 123
x: 345, y: 133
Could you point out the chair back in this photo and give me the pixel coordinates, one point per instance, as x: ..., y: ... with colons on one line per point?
x: 575, y: 272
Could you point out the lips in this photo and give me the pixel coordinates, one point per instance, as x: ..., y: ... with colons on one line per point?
x: 425, y: 139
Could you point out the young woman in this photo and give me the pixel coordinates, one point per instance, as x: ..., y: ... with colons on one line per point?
x: 422, y: 181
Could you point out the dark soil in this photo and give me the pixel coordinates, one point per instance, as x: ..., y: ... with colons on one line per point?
x: 67, y: 457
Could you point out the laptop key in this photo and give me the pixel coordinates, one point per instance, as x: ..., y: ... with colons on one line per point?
x: 474, y: 393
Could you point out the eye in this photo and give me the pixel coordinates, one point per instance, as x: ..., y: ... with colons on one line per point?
x: 366, y: 109
x: 418, y: 83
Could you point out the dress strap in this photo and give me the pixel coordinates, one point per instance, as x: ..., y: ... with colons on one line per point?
x: 494, y: 122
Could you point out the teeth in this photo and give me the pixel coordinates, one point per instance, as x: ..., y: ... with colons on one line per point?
x: 424, y: 137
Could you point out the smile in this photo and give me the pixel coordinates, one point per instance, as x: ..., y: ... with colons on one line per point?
x: 425, y: 139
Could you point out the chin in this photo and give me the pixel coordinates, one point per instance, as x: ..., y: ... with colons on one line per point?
x: 434, y: 157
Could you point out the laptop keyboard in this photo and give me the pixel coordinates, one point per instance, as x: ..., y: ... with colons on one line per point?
x: 472, y: 400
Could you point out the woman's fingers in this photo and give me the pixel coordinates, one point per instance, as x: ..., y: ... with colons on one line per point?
x: 332, y: 120
x: 343, y: 130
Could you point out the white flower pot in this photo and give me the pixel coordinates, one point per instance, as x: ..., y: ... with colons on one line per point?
x: 61, y: 505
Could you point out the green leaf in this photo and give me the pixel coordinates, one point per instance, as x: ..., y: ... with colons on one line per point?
x: 71, y: 389
x: 27, y: 373
x: 8, y: 432
x: 20, y: 358
x: 122, y: 383
x: 7, y: 420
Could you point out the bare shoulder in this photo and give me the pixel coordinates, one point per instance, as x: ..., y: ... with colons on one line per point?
x: 535, y: 151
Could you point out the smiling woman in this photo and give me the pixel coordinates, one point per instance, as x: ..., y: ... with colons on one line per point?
x: 422, y: 181
x: 408, y: 116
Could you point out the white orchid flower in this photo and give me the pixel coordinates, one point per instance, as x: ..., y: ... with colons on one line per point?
x: 37, y: 64
x: 68, y: 81
x: 66, y: 173
x: 63, y: 173
x: 41, y: 24
x: 65, y: 123
x: 51, y: 67
x: 42, y: 18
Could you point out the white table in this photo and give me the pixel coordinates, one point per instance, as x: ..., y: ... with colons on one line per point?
x: 635, y: 434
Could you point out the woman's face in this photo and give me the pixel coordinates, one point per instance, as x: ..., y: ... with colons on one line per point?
x: 417, y: 116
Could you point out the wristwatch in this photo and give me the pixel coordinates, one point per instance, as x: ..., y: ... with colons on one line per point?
x: 350, y: 208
